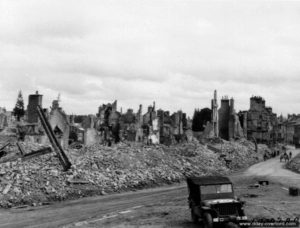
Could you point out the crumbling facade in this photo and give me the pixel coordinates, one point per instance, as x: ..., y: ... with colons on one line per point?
x: 3, y: 119
x: 150, y: 126
x: 242, y: 115
x: 229, y: 123
x: 138, y: 125
x: 108, y: 122
x: 59, y: 123
x: 215, y: 115
x: 261, y: 121
x: 34, y: 101
x: 224, y: 113
x: 33, y: 130
x: 166, y: 136
x: 128, y: 125
x: 288, y: 129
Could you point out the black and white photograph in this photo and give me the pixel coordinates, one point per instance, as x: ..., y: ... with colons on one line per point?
x: 149, y: 113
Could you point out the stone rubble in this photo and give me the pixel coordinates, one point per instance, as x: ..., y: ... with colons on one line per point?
x: 241, y: 153
x: 97, y: 170
x: 294, y: 164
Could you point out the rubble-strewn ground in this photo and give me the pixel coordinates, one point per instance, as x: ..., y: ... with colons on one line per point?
x: 99, y: 170
x: 294, y: 164
x: 265, y: 202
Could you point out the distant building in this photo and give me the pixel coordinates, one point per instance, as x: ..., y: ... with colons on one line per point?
x: 261, y: 121
x: 59, y: 122
x: 229, y: 123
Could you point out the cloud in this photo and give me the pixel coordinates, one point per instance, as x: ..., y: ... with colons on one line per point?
x: 174, y: 52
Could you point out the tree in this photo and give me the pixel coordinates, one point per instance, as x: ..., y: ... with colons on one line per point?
x: 19, y: 108
x: 196, y: 123
x: 200, y: 118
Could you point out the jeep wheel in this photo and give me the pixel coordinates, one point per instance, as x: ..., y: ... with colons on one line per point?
x: 208, y: 222
x: 231, y: 225
x: 195, y: 218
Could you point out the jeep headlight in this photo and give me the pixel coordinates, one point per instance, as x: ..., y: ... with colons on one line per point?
x: 215, y: 219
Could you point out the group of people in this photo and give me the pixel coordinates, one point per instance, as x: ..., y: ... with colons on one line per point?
x: 276, y: 152
x: 286, y: 156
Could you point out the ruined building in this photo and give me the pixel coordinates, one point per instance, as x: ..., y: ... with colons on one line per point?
x: 288, y: 129
x: 35, y: 100
x: 166, y: 136
x: 108, y: 122
x: 261, y: 121
x: 3, y: 118
x: 138, y: 125
x: 215, y: 115
x: 229, y: 124
x: 150, y: 125
x: 224, y: 113
x: 33, y: 130
x: 179, y: 125
x: 128, y: 125
x: 59, y: 122
x: 242, y: 115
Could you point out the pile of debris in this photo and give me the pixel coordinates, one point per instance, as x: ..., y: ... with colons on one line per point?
x: 294, y: 164
x: 99, y: 169
x: 239, y: 154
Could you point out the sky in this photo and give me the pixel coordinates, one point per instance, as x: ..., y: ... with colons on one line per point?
x: 175, y: 53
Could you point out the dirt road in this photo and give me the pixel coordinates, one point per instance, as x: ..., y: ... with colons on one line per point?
x: 160, y: 207
x: 90, y: 208
x: 274, y: 170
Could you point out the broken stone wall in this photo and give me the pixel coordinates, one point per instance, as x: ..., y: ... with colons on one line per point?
x: 257, y: 103
x: 33, y: 101
x: 40, y: 139
x: 91, y: 136
x: 232, y: 120
x: 189, y: 135
x: 154, y: 132
x: 296, y: 139
x: 209, y: 131
x: 176, y: 123
x: 224, y: 113
x: 149, y: 116
x: 215, y: 115
x: 261, y: 123
x: 129, y: 125
x: 290, y: 132
x: 3, y: 121
x: 139, y: 137
x: 242, y: 115
x: 59, y: 120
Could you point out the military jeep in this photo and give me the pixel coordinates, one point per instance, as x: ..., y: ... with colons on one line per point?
x: 212, y: 202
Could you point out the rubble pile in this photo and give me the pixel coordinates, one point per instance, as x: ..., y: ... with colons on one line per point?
x: 240, y: 153
x: 294, y: 164
x: 99, y: 169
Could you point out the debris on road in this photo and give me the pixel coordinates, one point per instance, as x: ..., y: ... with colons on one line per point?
x: 294, y: 164
x: 293, y: 191
x: 99, y: 169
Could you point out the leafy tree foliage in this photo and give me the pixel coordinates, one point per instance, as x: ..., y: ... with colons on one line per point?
x: 19, y: 107
x: 200, y: 118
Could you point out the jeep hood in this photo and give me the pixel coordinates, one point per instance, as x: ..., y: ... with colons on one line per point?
x: 218, y: 201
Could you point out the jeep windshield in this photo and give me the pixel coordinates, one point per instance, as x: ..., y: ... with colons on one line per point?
x: 216, y: 191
